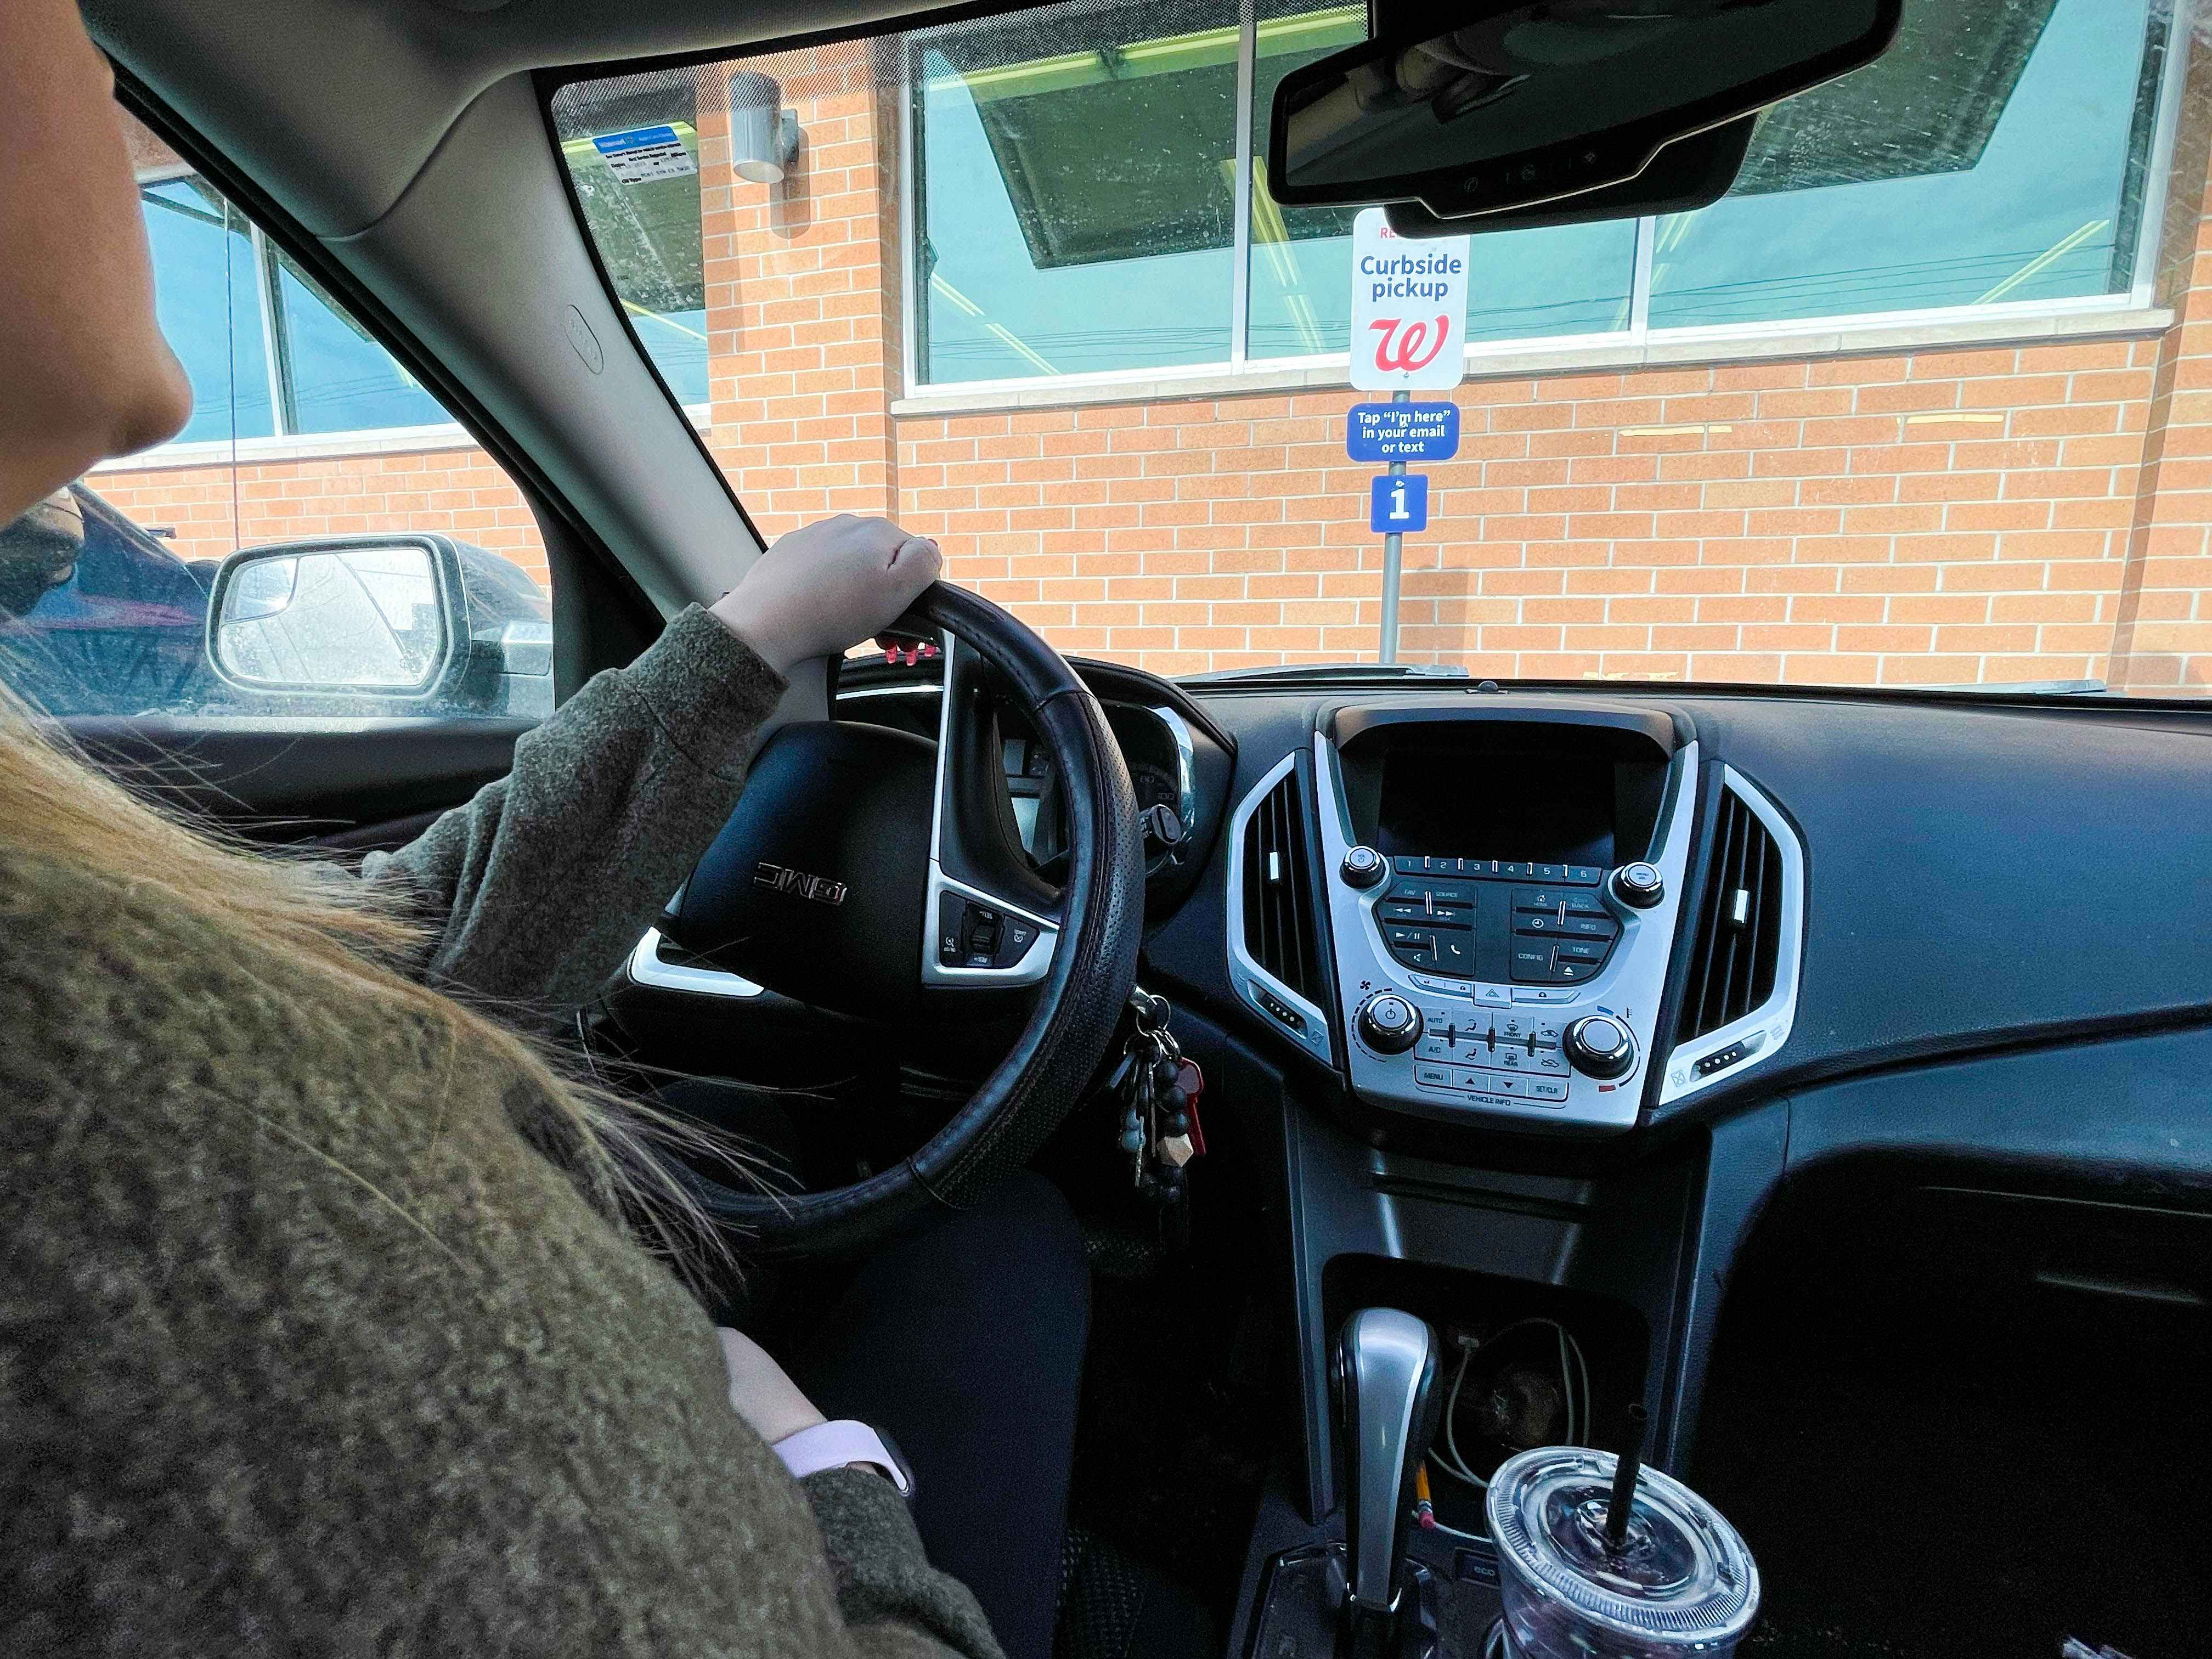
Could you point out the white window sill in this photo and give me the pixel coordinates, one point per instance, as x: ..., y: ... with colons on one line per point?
x: 321, y: 446
x: 1738, y: 342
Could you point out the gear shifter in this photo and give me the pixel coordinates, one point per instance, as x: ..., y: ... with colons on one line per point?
x: 1385, y: 1378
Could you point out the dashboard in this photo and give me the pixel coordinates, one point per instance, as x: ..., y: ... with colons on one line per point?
x: 1590, y: 913
x: 1540, y: 997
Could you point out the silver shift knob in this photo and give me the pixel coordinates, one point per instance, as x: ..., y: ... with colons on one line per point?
x: 1385, y: 1371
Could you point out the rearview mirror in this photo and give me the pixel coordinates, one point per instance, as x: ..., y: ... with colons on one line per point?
x: 367, y: 615
x: 1490, y: 105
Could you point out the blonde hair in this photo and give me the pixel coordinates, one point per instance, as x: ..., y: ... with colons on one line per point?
x: 56, y: 807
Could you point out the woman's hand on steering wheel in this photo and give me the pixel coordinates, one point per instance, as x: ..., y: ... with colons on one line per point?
x: 828, y: 586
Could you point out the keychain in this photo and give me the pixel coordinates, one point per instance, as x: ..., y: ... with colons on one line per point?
x: 1158, y: 1089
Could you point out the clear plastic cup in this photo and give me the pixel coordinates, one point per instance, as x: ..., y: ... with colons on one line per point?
x: 1683, y: 1583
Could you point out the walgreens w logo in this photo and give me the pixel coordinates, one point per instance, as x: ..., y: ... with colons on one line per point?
x: 1403, y: 348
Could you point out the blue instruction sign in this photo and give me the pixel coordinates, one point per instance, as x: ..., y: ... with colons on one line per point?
x: 1397, y: 504
x: 1402, y: 432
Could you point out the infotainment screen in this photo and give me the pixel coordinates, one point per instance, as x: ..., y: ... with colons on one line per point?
x: 1552, y: 807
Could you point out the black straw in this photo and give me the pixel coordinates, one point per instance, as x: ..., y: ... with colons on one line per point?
x: 1624, y: 1479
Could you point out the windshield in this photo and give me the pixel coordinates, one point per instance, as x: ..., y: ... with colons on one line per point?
x: 1923, y: 401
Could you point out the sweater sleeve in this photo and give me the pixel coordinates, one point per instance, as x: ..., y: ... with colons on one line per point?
x: 886, y: 1588
x: 538, y: 887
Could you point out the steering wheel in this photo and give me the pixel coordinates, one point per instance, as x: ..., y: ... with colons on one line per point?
x: 873, y: 873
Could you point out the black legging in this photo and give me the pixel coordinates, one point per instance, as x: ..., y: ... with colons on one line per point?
x: 965, y: 1341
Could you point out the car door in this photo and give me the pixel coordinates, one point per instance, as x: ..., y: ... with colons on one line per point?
x: 389, y: 625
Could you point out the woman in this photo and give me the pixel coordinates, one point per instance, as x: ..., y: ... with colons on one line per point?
x: 322, y: 1328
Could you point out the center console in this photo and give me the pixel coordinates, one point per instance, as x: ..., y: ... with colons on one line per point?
x: 1504, y: 894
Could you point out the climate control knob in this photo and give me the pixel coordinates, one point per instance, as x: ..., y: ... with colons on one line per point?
x: 1364, y: 867
x: 1600, y: 1045
x: 1388, y: 1023
x: 1638, y: 885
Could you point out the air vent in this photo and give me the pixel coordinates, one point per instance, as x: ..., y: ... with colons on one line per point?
x: 1280, y: 933
x: 1739, y: 937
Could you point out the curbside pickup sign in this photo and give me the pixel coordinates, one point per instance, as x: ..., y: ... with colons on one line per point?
x: 1408, y: 308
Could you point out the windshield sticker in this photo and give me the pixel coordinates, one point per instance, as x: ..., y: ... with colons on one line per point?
x: 645, y: 154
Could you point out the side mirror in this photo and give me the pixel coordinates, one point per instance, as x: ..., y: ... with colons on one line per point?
x: 1484, y: 107
x: 379, y: 616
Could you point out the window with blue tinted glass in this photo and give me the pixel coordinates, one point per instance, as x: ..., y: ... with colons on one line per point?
x: 677, y: 342
x: 1995, y: 154
x: 1076, y: 192
x: 337, y: 377
x: 207, y: 294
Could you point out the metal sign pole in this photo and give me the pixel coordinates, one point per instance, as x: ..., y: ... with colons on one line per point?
x: 1393, y: 561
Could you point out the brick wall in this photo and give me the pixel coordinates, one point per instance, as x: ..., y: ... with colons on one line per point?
x: 458, y: 491
x: 1945, y: 514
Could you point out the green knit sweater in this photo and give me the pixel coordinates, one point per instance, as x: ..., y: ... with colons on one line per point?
x: 305, y: 1350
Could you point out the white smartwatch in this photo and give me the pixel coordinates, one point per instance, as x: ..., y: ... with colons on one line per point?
x: 834, y: 1445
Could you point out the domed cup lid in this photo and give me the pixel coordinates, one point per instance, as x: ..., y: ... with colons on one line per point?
x: 1683, y: 1576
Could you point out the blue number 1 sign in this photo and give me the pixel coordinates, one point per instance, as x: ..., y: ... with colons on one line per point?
x: 1398, y: 504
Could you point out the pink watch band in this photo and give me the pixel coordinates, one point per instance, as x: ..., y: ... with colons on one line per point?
x: 833, y: 1445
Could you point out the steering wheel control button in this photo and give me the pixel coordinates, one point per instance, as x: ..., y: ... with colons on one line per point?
x: 1600, y: 1045
x: 974, y: 935
x: 1638, y: 885
x: 1388, y: 1023
x: 1364, y: 867
x: 980, y: 938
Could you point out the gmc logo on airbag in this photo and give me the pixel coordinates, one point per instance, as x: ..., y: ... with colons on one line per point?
x: 781, y: 879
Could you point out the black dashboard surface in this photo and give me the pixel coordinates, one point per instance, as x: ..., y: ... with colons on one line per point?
x: 1979, y: 877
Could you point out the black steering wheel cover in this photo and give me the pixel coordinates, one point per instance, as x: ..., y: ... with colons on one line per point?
x: 1078, y: 1003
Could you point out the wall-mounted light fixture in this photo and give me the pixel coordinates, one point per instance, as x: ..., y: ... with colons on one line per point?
x: 763, y: 135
